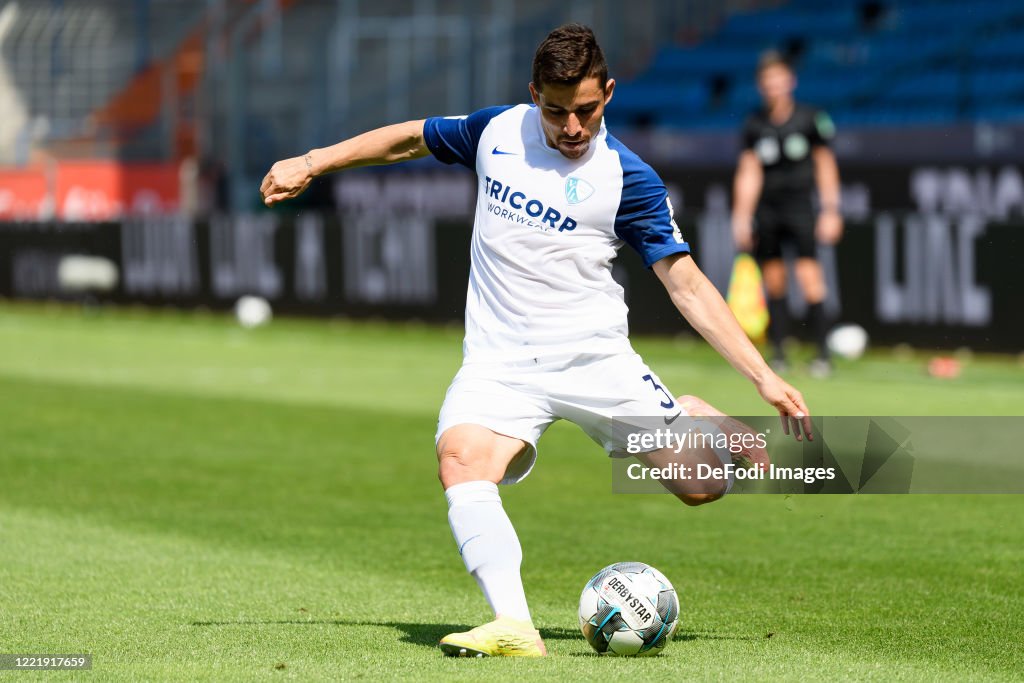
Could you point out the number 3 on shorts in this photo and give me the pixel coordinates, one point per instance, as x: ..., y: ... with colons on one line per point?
x: 669, y: 401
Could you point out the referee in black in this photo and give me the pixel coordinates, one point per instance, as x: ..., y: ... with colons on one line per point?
x: 785, y: 156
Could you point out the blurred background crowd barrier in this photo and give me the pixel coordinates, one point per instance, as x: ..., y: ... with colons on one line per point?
x: 139, y: 130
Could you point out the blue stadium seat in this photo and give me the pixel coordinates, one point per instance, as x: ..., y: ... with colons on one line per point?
x: 937, y: 86
x: 898, y: 116
x: 703, y: 122
x: 997, y: 85
x: 940, y: 16
x: 743, y: 96
x: 829, y: 86
x: 1000, y: 113
x: 707, y: 60
x: 925, y: 62
x: 638, y: 101
x: 1000, y: 49
x: 786, y: 22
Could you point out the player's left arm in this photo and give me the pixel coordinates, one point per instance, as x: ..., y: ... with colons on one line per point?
x: 826, y: 176
x: 705, y: 309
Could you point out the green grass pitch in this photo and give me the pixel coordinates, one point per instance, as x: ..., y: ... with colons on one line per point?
x: 186, y: 500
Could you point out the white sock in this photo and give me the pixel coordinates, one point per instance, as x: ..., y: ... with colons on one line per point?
x: 488, y: 545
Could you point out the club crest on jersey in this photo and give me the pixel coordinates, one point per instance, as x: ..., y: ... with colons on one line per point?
x: 577, y: 190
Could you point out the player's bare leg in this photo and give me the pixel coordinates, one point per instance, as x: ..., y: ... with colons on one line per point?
x: 773, y: 274
x: 471, y: 452
x: 697, y: 407
x: 811, y: 278
x: 471, y: 461
x: 694, y: 491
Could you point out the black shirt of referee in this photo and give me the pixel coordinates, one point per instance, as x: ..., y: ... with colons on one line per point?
x: 785, y: 209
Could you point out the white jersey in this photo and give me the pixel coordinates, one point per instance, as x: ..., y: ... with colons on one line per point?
x: 546, y: 231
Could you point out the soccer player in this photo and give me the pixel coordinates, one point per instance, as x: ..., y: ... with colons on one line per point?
x: 785, y: 153
x: 546, y: 334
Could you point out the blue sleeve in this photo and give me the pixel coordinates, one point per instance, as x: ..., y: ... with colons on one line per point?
x: 454, y: 139
x: 644, y: 219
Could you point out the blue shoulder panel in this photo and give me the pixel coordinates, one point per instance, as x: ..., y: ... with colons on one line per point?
x: 454, y: 139
x: 644, y: 219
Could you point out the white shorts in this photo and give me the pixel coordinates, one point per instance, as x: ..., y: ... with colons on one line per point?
x: 523, y: 399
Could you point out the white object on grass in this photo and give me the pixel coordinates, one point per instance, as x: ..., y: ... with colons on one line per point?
x: 848, y: 341
x: 252, y: 311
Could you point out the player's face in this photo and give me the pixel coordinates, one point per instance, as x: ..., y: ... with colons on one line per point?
x: 776, y: 83
x: 571, y: 114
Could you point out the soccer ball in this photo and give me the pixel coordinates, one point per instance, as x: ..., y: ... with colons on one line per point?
x: 629, y: 608
x: 252, y: 311
x: 848, y: 341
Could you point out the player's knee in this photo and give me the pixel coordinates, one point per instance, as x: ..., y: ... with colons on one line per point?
x: 710, y: 491
x: 457, y: 463
x: 695, y: 406
x: 451, y: 460
x: 695, y: 499
x: 773, y: 274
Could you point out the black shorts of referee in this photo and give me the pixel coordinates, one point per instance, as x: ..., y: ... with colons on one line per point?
x: 784, y: 220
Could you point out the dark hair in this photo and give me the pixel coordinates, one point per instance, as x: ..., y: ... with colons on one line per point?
x: 772, y: 58
x: 568, y: 55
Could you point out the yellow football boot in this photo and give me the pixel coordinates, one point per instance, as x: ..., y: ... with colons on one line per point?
x: 503, y: 637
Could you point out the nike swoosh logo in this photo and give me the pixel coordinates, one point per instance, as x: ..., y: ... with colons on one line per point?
x: 467, y: 541
x: 668, y: 421
x: 498, y: 151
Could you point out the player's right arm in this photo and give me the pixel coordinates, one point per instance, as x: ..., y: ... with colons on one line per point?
x: 746, y: 191
x: 451, y: 139
x: 388, y: 145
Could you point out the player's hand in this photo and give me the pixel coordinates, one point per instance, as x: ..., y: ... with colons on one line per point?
x: 793, y: 412
x: 743, y: 233
x: 287, y: 179
x: 829, y: 227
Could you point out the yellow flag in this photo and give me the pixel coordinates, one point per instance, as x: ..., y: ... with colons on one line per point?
x: 746, y: 297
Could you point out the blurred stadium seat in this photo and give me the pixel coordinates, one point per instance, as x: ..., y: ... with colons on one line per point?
x: 900, y: 62
x: 146, y: 79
